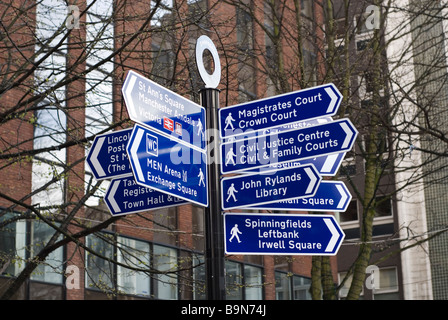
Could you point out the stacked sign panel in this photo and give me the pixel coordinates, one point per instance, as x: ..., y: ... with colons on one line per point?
x: 275, y: 151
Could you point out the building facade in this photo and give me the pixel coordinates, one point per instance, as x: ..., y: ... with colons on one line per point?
x: 408, y: 229
x: 62, y: 87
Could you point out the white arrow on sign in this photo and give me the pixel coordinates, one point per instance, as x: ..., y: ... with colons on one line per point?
x: 111, y: 196
x: 128, y: 93
x: 334, y: 235
x: 134, y: 155
x: 334, y: 98
x: 313, y: 180
x: 344, y: 196
x: 349, y: 133
x: 95, y: 161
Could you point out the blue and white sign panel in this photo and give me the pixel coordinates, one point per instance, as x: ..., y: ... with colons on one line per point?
x: 290, y: 234
x: 251, y: 189
x: 326, y: 165
x: 107, y: 157
x: 331, y: 196
x: 166, y: 165
x: 125, y: 196
x: 163, y: 110
x: 279, y: 110
x: 329, y: 138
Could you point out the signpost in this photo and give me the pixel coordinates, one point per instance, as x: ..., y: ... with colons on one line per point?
x: 281, y: 144
x: 329, y: 138
x: 164, y: 111
x: 282, y: 109
x: 290, y: 234
x: 125, y: 196
x: 167, y: 165
x: 107, y: 157
x: 214, y: 237
x: 331, y: 196
x: 252, y: 189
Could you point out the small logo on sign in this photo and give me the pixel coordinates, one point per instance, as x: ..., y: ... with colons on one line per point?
x: 168, y: 124
x: 179, y: 128
x: 152, y: 145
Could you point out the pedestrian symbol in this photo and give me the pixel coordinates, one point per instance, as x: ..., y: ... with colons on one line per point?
x: 234, y: 232
x: 200, y: 127
x: 231, y: 192
x: 201, y: 177
x: 229, y: 157
x: 229, y: 121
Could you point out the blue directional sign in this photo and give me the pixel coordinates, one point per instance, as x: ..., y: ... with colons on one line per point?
x: 107, y: 157
x: 326, y: 165
x: 125, y: 196
x: 167, y: 165
x: 279, y: 110
x: 163, y: 110
x: 252, y: 189
x: 329, y: 138
x: 331, y: 196
x: 290, y: 234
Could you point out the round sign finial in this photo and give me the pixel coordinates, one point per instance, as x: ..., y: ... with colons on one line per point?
x: 211, y: 80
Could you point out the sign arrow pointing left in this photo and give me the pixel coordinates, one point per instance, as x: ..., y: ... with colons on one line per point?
x: 125, y: 196
x: 107, y: 157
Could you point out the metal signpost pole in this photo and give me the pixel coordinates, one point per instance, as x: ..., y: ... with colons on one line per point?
x: 214, y: 226
x: 213, y: 219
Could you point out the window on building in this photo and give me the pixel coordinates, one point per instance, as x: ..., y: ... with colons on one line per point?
x: 388, y: 288
x: 291, y: 287
x: 51, y: 270
x: 351, y: 214
x: 50, y: 125
x: 282, y: 286
x: 162, y: 13
x: 243, y: 282
x: 246, y: 71
x: 306, y: 7
x: 348, y: 166
x: 343, y: 291
x: 301, y: 288
x: 16, y: 247
x: 234, y: 281
x: 165, y: 262
x: 386, y: 285
x: 162, y: 60
x: 99, y: 82
x: 12, y: 245
x: 199, y: 278
x: 383, y: 207
x: 156, y: 275
x: 253, y: 280
x: 99, y: 270
x: 135, y: 254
